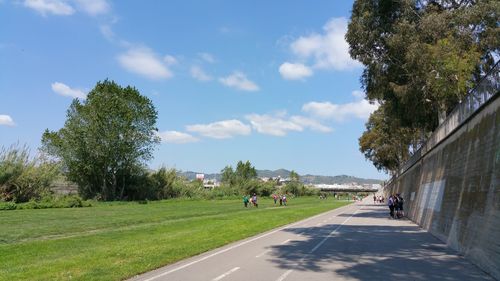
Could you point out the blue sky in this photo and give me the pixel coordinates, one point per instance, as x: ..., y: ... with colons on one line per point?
x: 265, y: 81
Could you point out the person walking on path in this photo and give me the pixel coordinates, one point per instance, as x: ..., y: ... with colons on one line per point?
x: 254, y: 200
x: 245, y: 201
x: 281, y: 200
x: 374, y: 199
x: 390, y: 203
x: 401, y: 213
x: 284, y: 200
x: 275, y: 198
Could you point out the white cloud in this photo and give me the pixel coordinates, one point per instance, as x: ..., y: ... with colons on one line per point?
x: 64, y: 90
x: 221, y: 130
x: 359, y: 109
x: 176, y: 137
x: 94, y: 7
x: 6, y: 120
x: 44, y: 7
x: 145, y: 62
x: 328, y: 50
x: 279, y: 125
x: 207, y: 57
x: 311, y: 123
x: 239, y: 81
x: 198, y: 74
x: 170, y: 60
x: 272, y: 125
x: 294, y: 71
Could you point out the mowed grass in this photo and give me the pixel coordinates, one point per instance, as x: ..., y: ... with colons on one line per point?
x: 117, y: 241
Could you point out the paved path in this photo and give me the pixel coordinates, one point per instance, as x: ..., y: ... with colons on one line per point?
x: 355, y: 242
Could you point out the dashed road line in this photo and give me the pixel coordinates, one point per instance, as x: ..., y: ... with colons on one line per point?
x: 331, y: 233
x: 243, y: 243
x: 263, y: 253
x: 284, y: 275
x: 286, y: 241
x: 225, y: 274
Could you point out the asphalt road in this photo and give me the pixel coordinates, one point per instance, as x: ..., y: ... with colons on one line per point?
x: 355, y: 242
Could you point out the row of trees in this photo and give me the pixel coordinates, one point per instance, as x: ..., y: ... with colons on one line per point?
x: 421, y: 58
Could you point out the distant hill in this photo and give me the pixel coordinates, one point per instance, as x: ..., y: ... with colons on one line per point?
x: 307, y: 179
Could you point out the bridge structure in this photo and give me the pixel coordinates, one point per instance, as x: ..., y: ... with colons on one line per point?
x: 347, y: 188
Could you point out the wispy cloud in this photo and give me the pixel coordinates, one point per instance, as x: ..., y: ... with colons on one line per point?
x: 64, y: 90
x: 207, y: 57
x: 94, y: 7
x: 280, y: 124
x: 199, y: 74
x: 221, y: 129
x: 143, y: 61
x: 295, y: 71
x: 239, y: 81
x: 6, y: 120
x: 64, y: 7
x: 339, y: 112
x: 170, y: 60
x: 176, y: 137
x: 45, y: 7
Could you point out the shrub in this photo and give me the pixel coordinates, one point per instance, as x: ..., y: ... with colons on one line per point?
x: 8, y: 206
x: 68, y: 201
x: 23, y: 178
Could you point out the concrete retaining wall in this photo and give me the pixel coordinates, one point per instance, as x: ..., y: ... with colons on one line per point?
x: 453, y: 191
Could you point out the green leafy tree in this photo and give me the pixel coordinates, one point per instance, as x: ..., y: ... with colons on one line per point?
x: 421, y: 58
x: 228, y: 176
x: 294, y: 176
x: 245, y: 171
x: 106, y: 140
x: 385, y: 143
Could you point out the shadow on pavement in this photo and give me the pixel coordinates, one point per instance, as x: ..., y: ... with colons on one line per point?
x: 374, y: 250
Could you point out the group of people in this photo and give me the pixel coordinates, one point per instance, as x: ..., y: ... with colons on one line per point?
x: 281, y: 198
x: 395, y: 203
x: 252, y: 200
x: 378, y: 199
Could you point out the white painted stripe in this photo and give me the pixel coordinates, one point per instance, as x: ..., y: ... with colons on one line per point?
x: 263, y: 253
x: 331, y: 233
x: 284, y: 275
x: 286, y: 241
x: 318, y: 224
x: 225, y: 274
x: 246, y: 242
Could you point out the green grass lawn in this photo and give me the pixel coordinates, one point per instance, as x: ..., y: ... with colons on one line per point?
x: 116, y: 241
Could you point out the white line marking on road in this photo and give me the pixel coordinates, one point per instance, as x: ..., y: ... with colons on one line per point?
x: 225, y: 274
x: 286, y: 241
x: 263, y: 253
x: 318, y: 224
x: 331, y: 233
x: 284, y: 275
x: 243, y: 243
